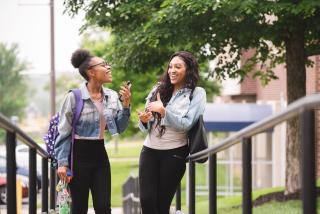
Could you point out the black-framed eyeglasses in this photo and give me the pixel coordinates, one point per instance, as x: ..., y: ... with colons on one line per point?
x: 104, y: 64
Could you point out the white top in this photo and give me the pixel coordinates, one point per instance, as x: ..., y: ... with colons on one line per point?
x: 171, y: 139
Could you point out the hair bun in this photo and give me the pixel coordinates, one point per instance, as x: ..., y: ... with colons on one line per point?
x: 79, y: 56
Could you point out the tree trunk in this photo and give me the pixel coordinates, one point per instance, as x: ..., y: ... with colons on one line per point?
x: 296, y: 88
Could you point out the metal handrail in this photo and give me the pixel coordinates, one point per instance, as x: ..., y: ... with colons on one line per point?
x: 295, y: 108
x: 12, y: 133
x: 9, y: 126
x: 304, y: 108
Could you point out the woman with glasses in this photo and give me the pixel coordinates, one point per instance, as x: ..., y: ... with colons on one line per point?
x: 102, y: 110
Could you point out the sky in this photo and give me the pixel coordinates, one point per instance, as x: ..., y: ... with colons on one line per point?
x: 27, y: 23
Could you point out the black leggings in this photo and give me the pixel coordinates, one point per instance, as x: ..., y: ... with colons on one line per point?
x: 91, y: 171
x: 160, y: 172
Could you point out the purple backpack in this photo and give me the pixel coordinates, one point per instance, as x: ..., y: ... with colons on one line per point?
x: 53, y: 133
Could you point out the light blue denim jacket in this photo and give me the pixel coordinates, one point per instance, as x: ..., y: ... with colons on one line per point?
x: 181, y: 113
x: 88, y: 126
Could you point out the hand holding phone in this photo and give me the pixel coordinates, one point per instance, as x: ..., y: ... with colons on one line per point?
x: 125, y: 94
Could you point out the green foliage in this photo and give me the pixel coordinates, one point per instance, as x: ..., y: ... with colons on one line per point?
x: 135, y: 47
x: 147, y: 32
x: 2, y: 136
x: 12, y: 85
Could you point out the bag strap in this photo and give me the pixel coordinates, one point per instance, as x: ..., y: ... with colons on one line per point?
x: 191, y: 94
x: 75, y: 119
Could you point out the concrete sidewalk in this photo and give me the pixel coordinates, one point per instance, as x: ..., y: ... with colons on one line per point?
x: 115, y: 210
x: 25, y: 210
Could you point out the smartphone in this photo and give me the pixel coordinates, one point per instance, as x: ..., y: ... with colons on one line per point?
x: 129, y: 86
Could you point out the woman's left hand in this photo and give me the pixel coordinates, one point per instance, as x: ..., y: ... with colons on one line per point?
x: 157, y: 106
x: 125, y: 96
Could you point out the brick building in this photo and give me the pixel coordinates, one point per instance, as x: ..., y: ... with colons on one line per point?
x: 269, y: 151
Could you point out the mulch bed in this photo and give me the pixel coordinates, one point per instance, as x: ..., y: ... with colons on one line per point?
x: 279, y: 197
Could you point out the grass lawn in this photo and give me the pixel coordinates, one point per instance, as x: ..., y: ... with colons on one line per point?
x: 232, y: 205
x: 289, y: 207
x: 125, y: 149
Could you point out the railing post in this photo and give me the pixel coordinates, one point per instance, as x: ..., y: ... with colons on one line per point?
x: 246, y: 176
x: 11, y: 172
x: 32, y: 181
x: 178, y: 197
x: 213, y: 184
x: 52, y: 188
x: 309, y: 190
x: 192, y: 188
x: 44, y: 185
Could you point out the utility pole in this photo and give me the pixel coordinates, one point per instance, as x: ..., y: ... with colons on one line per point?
x: 52, y: 61
x: 52, y: 102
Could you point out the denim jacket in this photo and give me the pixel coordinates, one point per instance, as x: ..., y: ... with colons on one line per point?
x: 181, y: 113
x: 88, y: 126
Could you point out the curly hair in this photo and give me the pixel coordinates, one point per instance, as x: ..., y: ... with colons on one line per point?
x: 165, y: 87
x: 81, y: 59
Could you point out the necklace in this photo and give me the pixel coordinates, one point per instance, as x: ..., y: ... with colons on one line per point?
x: 96, y: 98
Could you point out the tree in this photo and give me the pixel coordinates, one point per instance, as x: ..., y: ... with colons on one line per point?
x: 280, y: 31
x: 12, y: 85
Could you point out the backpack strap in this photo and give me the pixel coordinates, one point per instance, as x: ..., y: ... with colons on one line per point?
x: 79, y: 106
x: 75, y: 118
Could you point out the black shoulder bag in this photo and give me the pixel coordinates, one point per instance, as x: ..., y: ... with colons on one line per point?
x: 197, y: 137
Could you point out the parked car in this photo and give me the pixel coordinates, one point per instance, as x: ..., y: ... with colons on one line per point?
x: 22, y: 157
x: 3, y: 190
x: 22, y: 173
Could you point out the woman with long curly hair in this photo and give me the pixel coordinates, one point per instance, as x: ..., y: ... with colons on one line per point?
x: 172, y: 108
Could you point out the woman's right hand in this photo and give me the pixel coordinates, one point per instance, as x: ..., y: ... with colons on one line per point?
x: 144, y: 117
x: 62, y: 173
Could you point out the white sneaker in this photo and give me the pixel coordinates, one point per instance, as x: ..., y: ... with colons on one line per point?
x: 179, y: 212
